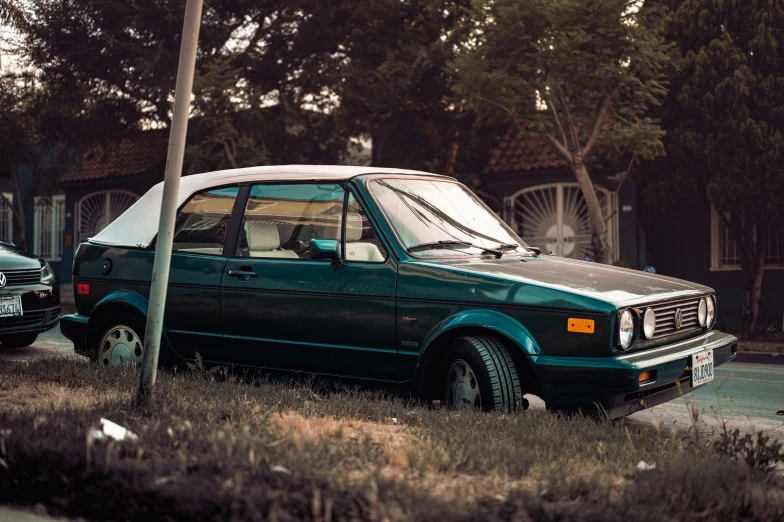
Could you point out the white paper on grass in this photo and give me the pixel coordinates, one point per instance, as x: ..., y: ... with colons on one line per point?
x: 112, y: 430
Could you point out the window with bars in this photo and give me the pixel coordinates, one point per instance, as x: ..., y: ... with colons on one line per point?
x: 49, y: 227
x: 725, y: 253
x: 6, y: 218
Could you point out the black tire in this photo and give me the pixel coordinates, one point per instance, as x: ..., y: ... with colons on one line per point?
x: 494, y: 371
x: 18, y: 341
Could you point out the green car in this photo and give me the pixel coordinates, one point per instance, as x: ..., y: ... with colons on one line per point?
x: 395, y: 278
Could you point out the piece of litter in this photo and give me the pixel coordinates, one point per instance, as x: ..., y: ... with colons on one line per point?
x: 645, y: 466
x: 391, y: 420
x: 280, y: 469
x: 112, y: 430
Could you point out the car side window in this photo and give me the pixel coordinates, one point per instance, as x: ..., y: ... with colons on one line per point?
x: 203, y: 221
x: 281, y: 220
x: 362, y: 242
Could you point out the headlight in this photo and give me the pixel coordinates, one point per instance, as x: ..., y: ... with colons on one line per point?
x: 649, y: 323
x: 626, y: 329
x: 710, y: 309
x: 702, y: 312
x: 47, y: 274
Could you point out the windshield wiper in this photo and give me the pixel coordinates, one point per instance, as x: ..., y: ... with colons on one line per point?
x: 437, y: 244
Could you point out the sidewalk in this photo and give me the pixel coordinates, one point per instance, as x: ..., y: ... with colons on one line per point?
x: 760, y: 352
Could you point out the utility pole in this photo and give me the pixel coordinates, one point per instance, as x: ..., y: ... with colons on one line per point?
x: 171, y: 189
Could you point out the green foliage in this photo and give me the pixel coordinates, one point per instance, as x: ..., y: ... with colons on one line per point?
x: 727, y: 132
x: 568, y: 68
x: 115, y: 65
x: 725, y: 123
x: 758, y: 452
x: 390, y: 73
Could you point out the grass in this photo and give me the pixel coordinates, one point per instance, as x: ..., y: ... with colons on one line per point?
x: 269, y: 450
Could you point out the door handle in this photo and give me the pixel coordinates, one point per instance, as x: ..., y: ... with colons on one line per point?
x: 243, y: 272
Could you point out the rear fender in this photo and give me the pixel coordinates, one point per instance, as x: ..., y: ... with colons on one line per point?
x: 131, y: 301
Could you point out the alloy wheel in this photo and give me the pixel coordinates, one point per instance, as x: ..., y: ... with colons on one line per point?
x: 121, y: 345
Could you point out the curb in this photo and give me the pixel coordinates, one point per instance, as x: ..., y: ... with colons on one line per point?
x: 759, y: 357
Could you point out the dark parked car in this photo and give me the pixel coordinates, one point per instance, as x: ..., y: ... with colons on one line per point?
x: 29, y: 297
x: 397, y: 278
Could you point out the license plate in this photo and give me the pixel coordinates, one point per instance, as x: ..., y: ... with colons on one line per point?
x: 10, y: 305
x: 701, y: 368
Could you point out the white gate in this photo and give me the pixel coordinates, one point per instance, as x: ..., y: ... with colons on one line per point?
x: 95, y: 211
x: 554, y: 217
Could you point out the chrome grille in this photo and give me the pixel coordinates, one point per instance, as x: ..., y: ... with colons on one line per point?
x: 22, y: 277
x: 665, y: 316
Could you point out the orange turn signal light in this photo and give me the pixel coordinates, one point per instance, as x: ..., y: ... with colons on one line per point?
x: 580, y: 325
x: 646, y: 376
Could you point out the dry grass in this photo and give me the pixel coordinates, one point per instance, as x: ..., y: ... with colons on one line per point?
x: 265, y: 449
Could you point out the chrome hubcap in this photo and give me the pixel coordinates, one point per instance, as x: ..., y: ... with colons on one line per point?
x: 462, y: 387
x: 121, y: 345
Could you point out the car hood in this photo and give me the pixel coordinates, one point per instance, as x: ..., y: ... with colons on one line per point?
x: 14, y: 259
x: 615, y: 285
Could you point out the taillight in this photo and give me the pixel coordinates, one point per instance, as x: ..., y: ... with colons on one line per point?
x: 83, y: 289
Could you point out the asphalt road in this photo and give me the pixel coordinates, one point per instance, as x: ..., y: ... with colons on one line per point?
x: 746, y: 396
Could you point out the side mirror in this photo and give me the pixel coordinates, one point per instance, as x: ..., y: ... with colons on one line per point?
x: 326, y: 249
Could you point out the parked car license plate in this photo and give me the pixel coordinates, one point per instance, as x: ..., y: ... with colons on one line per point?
x: 701, y: 368
x: 10, y: 305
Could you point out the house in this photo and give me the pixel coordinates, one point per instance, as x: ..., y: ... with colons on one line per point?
x: 535, y: 192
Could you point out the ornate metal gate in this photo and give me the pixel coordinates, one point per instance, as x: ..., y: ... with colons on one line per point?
x: 555, y: 218
x: 95, y: 211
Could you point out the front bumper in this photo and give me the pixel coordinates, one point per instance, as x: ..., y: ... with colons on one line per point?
x: 30, y: 322
x: 611, y: 384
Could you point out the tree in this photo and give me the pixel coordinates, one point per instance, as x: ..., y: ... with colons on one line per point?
x: 725, y: 119
x: 389, y: 72
x: 12, y: 14
x: 22, y: 109
x: 114, y: 63
x: 575, y: 70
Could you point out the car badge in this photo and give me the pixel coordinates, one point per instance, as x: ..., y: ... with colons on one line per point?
x: 2, y: 280
x: 678, y: 318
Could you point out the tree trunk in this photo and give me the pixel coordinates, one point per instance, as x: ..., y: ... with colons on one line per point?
x: 753, y: 280
x: 448, y: 168
x: 599, y: 243
x: 18, y: 209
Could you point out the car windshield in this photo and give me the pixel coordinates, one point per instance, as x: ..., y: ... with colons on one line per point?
x: 442, y: 218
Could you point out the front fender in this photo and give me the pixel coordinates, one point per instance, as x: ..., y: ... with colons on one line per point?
x: 132, y: 300
x: 489, y: 320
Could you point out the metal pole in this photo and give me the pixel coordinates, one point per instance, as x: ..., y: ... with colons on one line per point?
x: 171, y: 188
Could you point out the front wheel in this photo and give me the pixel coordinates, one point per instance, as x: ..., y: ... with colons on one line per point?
x: 480, y: 375
x: 18, y: 341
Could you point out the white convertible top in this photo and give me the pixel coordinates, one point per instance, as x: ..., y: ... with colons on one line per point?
x: 138, y: 225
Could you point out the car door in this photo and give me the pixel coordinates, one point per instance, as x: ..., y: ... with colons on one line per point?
x: 193, y: 323
x: 279, y: 306
x: 367, y: 301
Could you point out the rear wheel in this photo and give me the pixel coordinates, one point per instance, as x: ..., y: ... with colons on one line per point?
x: 121, y: 341
x: 18, y: 341
x: 480, y: 375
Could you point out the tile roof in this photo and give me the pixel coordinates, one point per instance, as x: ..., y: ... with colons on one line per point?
x: 522, y: 150
x: 128, y: 157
